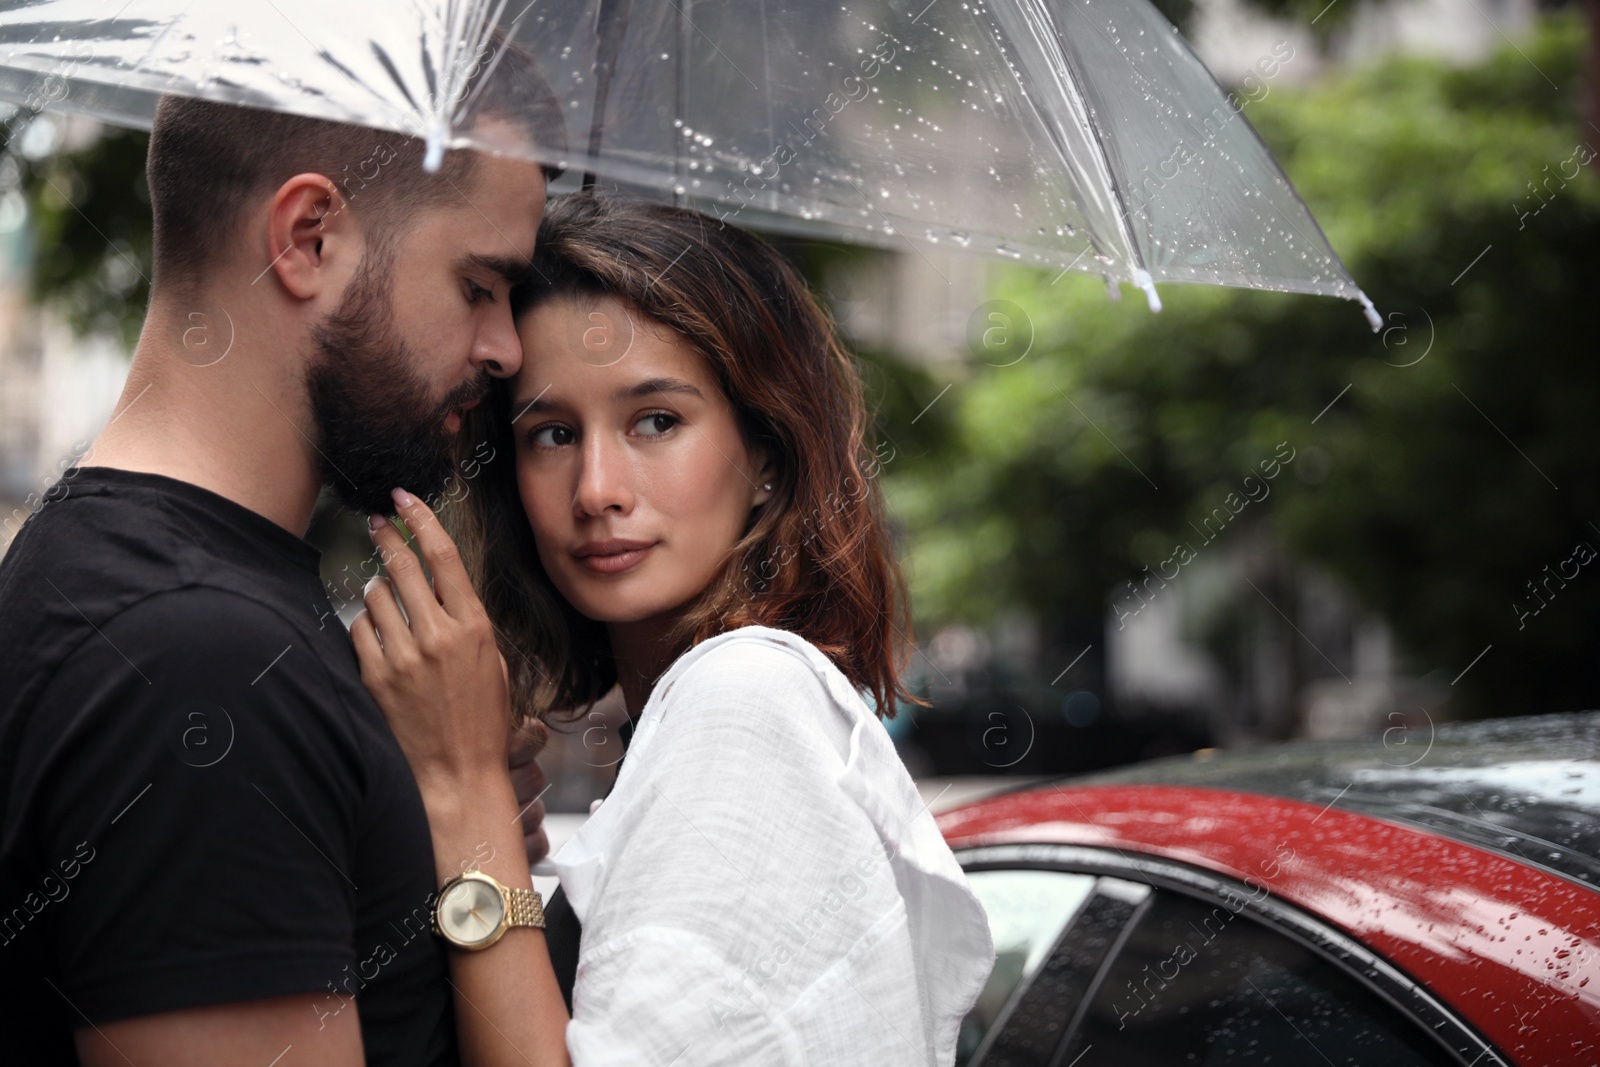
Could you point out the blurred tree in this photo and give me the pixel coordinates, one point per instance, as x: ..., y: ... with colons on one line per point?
x: 89, y: 209
x: 1430, y: 486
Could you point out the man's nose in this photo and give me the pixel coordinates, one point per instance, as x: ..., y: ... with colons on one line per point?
x: 497, y: 349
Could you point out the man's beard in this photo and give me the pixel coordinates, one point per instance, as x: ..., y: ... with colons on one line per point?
x: 379, y: 430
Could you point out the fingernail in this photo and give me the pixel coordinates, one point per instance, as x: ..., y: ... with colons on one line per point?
x: 402, y: 499
x: 376, y: 522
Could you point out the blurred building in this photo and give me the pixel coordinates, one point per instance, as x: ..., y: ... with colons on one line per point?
x: 1214, y: 645
x: 1234, y: 40
x: 57, y: 390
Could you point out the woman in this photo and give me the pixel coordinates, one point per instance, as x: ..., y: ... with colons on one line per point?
x: 692, y: 515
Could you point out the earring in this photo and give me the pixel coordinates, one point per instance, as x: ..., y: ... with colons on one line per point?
x: 768, y: 487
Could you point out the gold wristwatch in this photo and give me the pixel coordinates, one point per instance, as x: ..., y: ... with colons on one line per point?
x: 474, y: 910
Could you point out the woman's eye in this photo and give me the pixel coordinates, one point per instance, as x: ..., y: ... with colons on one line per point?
x: 656, y: 423
x: 551, y: 436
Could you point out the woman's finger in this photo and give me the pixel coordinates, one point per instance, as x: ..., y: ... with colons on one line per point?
x: 383, y: 614
x: 531, y: 815
x: 527, y: 778
x: 364, y: 635
x: 410, y: 583
x: 451, y: 584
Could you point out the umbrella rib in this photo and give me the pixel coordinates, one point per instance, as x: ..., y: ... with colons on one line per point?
x: 156, y: 41
x: 111, y: 18
x: 326, y: 56
x: 766, y: 70
x: 463, y: 33
x: 611, y: 25
x: 488, y: 72
x: 1332, y: 255
x: 713, y: 44
x: 481, y: 37
x: 1119, y: 196
x: 382, y: 56
x: 1038, y: 25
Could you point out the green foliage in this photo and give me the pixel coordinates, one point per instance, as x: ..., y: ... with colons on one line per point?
x: 1067, y: 474
x: 90, y: 211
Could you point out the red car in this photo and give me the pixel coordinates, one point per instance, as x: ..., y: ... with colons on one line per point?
x: 1432, y: 897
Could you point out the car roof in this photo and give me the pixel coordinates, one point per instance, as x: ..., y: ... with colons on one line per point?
x: 1513, y: 948
x: 1526, y: 788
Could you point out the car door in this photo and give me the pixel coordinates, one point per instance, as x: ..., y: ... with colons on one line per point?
x: 1107, y: 959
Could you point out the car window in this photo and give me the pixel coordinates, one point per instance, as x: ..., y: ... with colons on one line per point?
x: 1201, y: 982
x: 1027, y: 911
x: 1042, y: 1012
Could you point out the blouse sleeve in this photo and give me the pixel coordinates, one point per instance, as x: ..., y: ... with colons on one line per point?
x: 748, y: 911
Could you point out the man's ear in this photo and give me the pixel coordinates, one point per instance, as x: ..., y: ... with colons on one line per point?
x: 305, y: 221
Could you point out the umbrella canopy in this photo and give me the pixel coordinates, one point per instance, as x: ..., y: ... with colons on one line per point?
x: 1072, y: 134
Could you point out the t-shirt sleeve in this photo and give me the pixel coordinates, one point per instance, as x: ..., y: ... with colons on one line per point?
x: 194, y: 787
x: 746, y: 904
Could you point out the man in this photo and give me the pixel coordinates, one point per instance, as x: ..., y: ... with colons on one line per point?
x: 211, y: 847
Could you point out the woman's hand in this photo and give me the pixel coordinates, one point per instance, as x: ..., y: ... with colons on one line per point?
x: 442, y: 684
x: 440, y: 680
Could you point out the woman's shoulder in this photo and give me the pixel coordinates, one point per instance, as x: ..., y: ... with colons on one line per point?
x: 762, y: 661
x: 759, y: 678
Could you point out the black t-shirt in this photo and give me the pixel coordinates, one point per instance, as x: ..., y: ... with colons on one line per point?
x: 199, y: 802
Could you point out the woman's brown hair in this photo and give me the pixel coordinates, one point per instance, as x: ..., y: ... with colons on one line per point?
x: 815, y: 559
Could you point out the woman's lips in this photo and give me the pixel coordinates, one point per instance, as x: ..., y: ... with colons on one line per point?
x: 612, y: 557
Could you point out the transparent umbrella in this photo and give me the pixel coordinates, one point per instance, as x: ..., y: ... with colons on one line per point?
x: 1072, y: 134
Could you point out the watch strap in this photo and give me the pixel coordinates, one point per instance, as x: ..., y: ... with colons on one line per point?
x: 523, y: 907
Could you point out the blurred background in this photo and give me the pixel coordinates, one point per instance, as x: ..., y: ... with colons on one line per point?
x: 1128, y: 535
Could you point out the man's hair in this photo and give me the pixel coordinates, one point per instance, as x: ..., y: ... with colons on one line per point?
x: 208, y: 161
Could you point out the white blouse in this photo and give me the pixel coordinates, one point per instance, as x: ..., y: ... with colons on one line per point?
x: 764, y: 885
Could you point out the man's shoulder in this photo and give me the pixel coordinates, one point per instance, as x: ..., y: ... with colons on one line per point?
x: 193, y: 677
x: 193, y: 627
x: 118, y: 534
x: 91, y: 555
x: 186, y: 662
x: 208, y: 614
x: 81, y: 610
x: 198, y: 647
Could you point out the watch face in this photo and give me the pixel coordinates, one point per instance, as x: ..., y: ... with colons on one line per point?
x: 471, y: 911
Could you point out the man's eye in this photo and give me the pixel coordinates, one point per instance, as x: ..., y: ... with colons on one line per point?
x: 656, y: 423
x: 476, y: 292
x: 551, y: 436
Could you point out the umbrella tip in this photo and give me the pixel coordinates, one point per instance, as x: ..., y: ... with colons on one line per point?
x: 1373, y: 318
x: 1142, y: 279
